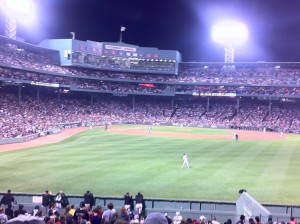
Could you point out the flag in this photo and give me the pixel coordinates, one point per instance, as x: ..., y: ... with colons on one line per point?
x: 123, y: 28
x: 73, y: 35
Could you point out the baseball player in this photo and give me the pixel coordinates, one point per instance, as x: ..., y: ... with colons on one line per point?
x: 185, y: 161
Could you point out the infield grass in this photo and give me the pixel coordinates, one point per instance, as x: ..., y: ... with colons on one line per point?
x: 110, y: 164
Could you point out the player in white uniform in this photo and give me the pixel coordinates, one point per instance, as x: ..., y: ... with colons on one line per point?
x: 185, y: 161
x: 149, y: 129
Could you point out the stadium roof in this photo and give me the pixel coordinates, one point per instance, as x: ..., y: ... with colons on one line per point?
x: 25, y: 45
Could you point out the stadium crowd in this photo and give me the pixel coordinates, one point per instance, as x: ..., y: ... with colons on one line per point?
x: 42, y: 61
x: 30, y: 114
x: 56, y: 209
x: 116, y: 85
x: 39, y: 67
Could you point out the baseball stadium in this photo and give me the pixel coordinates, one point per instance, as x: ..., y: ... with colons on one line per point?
x: 111, y: 117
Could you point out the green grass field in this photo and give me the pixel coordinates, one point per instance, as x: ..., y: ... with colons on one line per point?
x: 110, y: 164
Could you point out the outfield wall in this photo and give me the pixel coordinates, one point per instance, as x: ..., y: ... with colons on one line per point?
x: 62, y: 126
x: 27, y: 138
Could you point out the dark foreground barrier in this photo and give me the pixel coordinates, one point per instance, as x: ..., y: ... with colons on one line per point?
x: 188, y: 208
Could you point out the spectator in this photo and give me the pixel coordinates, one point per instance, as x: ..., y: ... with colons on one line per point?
x: 177, y: 218
x: 89, y: 200
x: 35, y: 210
x: 156, y: 218
x: 9, y: 212
x: 81, y: 213
x: 47, y: 198
x: 128, y: 201
x: 214, y: 220
x: 293, y: 220
x: 170, y: 221
x: 3, y: 217
x: 72, y: 210
x: 202, y: 219
x: 96, y: 215
x: 110, y: 214
x: 122, y: 214
x: 20, y: 211
x: 39, y: 215
x: 242, y: 220
x: 251, y: 221
x: 229, y: 221
x: 61, y: 200
x: 257, y: 220
x: 7, y: 199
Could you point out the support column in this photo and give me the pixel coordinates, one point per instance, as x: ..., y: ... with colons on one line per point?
x: 38, y: 95
x: 19, y: 94
x: 92, y: 99
x: 238, y: 105
x: 133, y: 102
x: 172, y: 103
x: 270, y: 107
x: 208, y: 104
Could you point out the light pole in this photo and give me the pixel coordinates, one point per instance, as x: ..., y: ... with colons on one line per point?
x: 11, y: 27
x: 229, y: 33
x: 21, y: 10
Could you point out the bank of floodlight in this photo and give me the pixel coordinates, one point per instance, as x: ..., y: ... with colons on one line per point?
x: 229, y: 33
x: 16, y: 11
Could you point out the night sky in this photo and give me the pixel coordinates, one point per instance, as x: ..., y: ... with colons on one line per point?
x: 183, y: 25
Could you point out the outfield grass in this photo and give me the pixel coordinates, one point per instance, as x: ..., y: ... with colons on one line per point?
x: 110, y: 164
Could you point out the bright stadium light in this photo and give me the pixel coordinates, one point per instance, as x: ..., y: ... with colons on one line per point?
x: 17, y: 10
x: 229, y: 33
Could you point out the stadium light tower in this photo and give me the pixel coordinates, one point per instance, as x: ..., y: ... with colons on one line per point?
x: 16, y: 10
x: 229, y: 33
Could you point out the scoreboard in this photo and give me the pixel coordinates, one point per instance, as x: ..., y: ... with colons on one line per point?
x: 115, y: 56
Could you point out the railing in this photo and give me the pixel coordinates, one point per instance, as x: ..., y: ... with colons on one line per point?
x: 188, y: 208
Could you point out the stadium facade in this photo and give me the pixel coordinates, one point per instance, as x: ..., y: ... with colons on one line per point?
x: 250, y: 95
